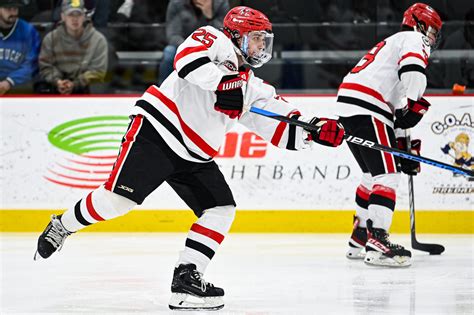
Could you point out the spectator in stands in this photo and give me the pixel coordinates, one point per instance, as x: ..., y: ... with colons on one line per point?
x: 19, y: 47
x: 136, y: 37
x: 182, y: 18
x: 74, y: 55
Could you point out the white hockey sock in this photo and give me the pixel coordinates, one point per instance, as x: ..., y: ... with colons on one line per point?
x: 362, y: 203
x: 98, y: 205
x: 381, y: 206
x: 205, y: 236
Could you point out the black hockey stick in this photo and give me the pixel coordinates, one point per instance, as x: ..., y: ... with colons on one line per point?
x: 367, y: 143
x: 433, y: 249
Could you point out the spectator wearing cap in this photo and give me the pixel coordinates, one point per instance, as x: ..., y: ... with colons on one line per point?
x: 19, y: 47
x: 74, y: 55
x: 182, y: 18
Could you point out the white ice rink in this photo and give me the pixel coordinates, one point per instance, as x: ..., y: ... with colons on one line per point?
x: 261, y: 274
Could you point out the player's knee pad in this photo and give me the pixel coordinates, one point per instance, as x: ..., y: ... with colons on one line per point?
x: 109, y: 204
x: 218, y: 218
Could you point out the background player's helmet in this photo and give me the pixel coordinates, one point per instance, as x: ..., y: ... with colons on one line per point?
x: 240, y: 23
x: 424, y: 19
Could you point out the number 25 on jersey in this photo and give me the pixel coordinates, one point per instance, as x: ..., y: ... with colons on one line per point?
x: 201, y: 35
x: 368, y: 58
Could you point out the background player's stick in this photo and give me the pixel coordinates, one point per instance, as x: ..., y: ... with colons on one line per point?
x: 367, y: 143
x: 433, y: 249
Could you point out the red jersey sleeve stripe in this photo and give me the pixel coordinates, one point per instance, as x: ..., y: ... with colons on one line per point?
x: 216, y: 236
x: 280, y: 129
x: 91, y: 210
x: 363, y: 89
x: 412, y: 54
x: 186, y: 51
x: 278, y: 133
x: 193, y: 136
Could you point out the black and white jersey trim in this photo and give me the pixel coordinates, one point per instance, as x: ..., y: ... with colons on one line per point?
x: 193, y: 65
x: 366, y: 105
x: 410, y: 68
x: 155, y: 113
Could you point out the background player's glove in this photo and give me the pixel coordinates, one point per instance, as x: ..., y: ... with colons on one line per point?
x: 410, y: 167
x: 230, y: 99
x: 411, y: 114
x: 329, y: 132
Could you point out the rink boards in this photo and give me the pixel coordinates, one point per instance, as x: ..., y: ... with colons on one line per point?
x: 56, y: 149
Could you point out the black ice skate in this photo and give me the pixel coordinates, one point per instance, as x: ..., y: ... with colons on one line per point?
x: 381, y: 252
x: 52, y: 238
x: 357, y: 241
x: 189, y: 291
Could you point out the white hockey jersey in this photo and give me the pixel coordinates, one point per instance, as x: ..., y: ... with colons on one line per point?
x: 389, y: 72
x: 182, y: 108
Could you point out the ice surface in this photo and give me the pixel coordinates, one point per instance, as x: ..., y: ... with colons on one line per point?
x: 261, y: 274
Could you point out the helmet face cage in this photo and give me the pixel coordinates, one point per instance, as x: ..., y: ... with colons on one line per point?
x: 251, y: 33
x: 257, y: 47
x: 433, y: 34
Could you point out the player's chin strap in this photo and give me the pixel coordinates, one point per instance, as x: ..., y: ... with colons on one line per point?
x: 366, y: 143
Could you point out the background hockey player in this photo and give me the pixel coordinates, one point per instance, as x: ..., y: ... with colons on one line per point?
x: 381, y: 96
x: 175, y: 132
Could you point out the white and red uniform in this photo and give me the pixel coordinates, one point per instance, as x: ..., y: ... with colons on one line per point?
x: 392, y: 70
x: 366, y: 102
x: 185, y: 100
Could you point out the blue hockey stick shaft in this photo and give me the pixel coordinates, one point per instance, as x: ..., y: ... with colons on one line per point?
x: 367, y: 143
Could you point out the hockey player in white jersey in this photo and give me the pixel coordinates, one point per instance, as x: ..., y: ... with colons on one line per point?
x: 175, y: 132
x: 380, y: 97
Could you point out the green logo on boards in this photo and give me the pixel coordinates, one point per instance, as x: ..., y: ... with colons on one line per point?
x: 85, y: 135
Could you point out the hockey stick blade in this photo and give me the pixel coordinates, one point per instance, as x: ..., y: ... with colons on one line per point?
x: 432, y: 249
x: 367, y: 143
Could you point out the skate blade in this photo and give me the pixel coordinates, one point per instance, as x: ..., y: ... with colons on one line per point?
x: 355, y: 253
x: 37, y: 256
x: 373, y: 258
x: 187, y: 302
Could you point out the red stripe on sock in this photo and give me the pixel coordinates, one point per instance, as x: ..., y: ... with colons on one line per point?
x: 91, y: 209
x: 384, y: 191
x: 363, y: 192
x: 216, y: 236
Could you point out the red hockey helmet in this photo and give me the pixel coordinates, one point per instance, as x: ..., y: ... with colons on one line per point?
x: 424, y: 19
x: 242, y: 25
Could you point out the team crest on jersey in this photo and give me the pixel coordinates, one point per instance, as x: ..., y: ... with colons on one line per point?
x: 229, y: 65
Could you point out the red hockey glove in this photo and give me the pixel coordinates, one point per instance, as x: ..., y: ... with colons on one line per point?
x: 230, y: 99
x: 410, y: 167
x: 411, y: 114
x: 329, y: 132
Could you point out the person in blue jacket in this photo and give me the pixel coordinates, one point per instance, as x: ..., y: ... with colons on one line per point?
x: 19, y: 47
